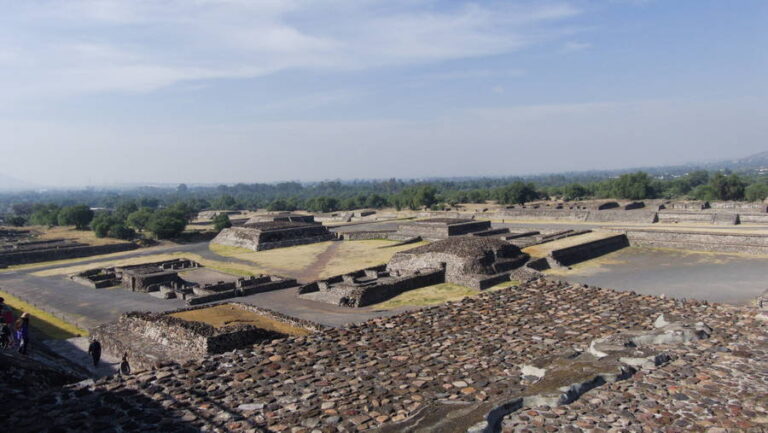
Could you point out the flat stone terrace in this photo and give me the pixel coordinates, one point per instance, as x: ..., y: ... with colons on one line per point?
x: 373, y: 375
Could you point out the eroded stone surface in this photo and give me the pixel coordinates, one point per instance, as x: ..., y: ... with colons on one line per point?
x: 460, y: 356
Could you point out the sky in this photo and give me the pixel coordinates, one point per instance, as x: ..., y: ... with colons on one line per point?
x: 223, y: 91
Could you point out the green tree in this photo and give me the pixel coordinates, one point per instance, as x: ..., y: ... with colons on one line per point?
x: 125, y: 208
x: 322, y: 204
x: 45, y: 215
x: 575, y: 191
x: 727, y: 187
x: 375, y: 201
x: 517, y: 193
x: 703, y: 192
x: 756, y: 192
x: 16, y: 220
x: 167, y: 223
x: 225, y: 201
x: 120, y: 231
x: 140, y: 218
x: 102, y: 222
x: 79, y: 216
x: 221, y: 222
x: 633, y: 186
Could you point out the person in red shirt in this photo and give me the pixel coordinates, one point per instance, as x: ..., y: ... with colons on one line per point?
x: 6, y: 313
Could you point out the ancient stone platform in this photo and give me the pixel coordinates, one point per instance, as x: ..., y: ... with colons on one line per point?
x: 450, y: 364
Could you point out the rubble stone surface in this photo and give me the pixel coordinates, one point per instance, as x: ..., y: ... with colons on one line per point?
x: 434, y: 364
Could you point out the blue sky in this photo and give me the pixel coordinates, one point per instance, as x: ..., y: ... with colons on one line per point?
x: 96, y: 92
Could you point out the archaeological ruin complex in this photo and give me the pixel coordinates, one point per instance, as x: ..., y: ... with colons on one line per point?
x: 475, y: 262
x: 180, y: 278
x: 259, y: 236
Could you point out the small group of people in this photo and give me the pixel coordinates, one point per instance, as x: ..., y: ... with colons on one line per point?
x: 13, y: 333
x: 94, y: 349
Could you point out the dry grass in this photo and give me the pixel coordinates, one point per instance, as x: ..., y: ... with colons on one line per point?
x: 44, y: 325
x: 231, y: 315
x: 542, y: 250
x: 84, y: 236
x: 331, y: 258
x: 226, y: 267
x: 353, y: 255
x: 72, y: 261
x: 286, y: 260
x: 435, y: 295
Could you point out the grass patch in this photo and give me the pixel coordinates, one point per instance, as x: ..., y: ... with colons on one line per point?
x: 288, y: 261
x: 221, y: 316
x: 331, y: 258
x: 226, y: 267
x: 69, y: 232
x: 353, y: 255
x: 435, y: 295
x: 43, y: 325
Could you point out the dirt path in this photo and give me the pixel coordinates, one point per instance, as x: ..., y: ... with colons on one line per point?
x: 313, y: 271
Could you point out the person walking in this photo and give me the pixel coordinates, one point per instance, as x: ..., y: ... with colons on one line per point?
x: 6, y: 313
x: 22, y: 333
x: 94, y: 349
x: 125, y: 367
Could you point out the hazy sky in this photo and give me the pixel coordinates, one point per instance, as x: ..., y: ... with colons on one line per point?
x: 95, y: 92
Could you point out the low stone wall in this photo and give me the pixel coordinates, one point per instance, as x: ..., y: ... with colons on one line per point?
x: 753, y: 218
x: 241, y: 287
x: 368, y: 235
x: 438, y: 230
x: 342, y: 290
x: 623, y: 216
x: 703, y: 217
x: 545, y: 214
x: 11, y: 258
x: 588, y: 250
x: 701, y: 241
x: 380, y: 293
x: 757, y: 207
x: 173, y: 339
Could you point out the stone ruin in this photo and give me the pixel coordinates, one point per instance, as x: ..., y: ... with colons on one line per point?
x: 162, y: 280
x: 210, y: 214
x: 152, y: 339
x: 431, y: 229
x: 368, y: 286
x: 476, y: 262
x: 18, y: 247
x: 544, y: 356
x: 261, y: 236
x: 282, y: 217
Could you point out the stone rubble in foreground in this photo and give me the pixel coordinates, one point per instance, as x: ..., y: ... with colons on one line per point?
x: 384, y: 374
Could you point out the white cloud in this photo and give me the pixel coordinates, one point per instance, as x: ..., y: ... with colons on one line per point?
x: 572, y: 46
x: 59, y: 48
x: 502, y: 141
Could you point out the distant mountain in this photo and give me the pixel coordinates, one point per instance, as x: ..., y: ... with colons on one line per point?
x: 753, y: 162
x: 8, y: 183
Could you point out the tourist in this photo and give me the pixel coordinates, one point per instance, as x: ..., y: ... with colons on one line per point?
x: 6, y: 312
x: 125, y: 367
x: 22, y: 333
x: 5, y: 334
x: 94, y: 349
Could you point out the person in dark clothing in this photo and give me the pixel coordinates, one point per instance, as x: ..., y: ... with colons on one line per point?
x: 5, y: 334
x: 125, y: 368
x: 22, y: 333
x: 94, y: 349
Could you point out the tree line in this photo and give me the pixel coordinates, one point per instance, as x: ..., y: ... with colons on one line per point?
x: 164, y: 213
